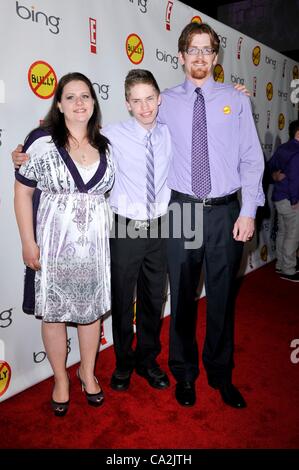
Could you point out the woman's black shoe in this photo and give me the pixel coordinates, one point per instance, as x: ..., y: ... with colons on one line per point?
x: 59, y: 409
x: 93, y: 399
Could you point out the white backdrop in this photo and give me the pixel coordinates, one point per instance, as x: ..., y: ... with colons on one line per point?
x: 104, y: 39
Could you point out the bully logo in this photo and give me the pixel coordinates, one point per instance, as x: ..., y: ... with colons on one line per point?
x: 281, y: 121
x: 42, y: 79
x: 38, y: 17
x: 218, y: 73
x: 269, y: 91
x: 256, y: 55
x: 134, y: 48
x: 5, y: 376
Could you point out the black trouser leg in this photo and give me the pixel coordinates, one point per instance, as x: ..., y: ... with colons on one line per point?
x: 184, y: 265
x: 222, y: 260
x: 151, y: 287
x: 126, y: 259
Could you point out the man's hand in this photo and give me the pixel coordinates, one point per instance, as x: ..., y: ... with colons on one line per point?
x: 243, y: 89
x: 18, y: 157
x: 278, y: 175
x: 243, y: 229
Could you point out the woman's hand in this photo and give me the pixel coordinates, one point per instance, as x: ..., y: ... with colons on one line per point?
x: 31, y: 255
x: 243, y: 89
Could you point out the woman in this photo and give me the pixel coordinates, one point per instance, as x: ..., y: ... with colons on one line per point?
x: 64, y: 232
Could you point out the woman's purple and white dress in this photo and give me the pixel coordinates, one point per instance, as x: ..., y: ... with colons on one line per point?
x: 71, y: 219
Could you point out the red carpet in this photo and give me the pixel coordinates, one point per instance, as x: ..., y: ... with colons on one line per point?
x: 267, y: 314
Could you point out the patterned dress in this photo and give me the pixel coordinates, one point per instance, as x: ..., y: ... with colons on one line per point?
x: 71, y: 221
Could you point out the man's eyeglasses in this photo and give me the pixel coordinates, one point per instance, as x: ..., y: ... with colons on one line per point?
x: 197, y: 51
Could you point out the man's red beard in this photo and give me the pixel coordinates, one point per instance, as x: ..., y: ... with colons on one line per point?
x: 198, y: 73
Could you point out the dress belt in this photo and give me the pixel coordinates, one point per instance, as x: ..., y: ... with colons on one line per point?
x: 208, y: 201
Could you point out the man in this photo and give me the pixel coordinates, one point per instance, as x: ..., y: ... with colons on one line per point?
x: 286, y: 200
x: 138, y: 257
x: 141, y: 151
x: 210, y: 124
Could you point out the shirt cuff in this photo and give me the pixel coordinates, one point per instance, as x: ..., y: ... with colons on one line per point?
x: 248, y: 209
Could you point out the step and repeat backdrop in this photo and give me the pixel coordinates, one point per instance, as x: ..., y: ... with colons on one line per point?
x: 104, y: 39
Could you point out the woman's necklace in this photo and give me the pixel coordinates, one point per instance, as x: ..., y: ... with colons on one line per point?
x: 78, y: 153
x: 83, y: 158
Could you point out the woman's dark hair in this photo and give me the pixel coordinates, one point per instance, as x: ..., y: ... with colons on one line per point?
x: 54, y: 122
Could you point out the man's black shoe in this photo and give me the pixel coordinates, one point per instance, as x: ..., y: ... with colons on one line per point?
x: 231, y: 395
x: 120, y: 381
x: 185, y: 393
x: 156, y: 377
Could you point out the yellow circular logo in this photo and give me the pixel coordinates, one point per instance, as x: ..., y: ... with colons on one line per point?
x: 281, y: 121
x: 5, y: 376
x: 269, y: 91
x: 264, y: 253
x: 134, y: 48
x: 256, y: 55
x: 226, y: 110
x: 42, y: 79
x: 196, y: 19
x: 295, y: 72
x: 218, y: 73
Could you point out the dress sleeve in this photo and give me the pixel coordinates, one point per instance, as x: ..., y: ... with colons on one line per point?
x: 28, y: 173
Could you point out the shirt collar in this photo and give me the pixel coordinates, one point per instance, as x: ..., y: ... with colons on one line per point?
x: 207, y: 87
x: 140, y: 131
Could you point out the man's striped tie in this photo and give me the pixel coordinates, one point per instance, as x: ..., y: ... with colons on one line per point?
x: 150, y: 177
x: 200, y: 166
